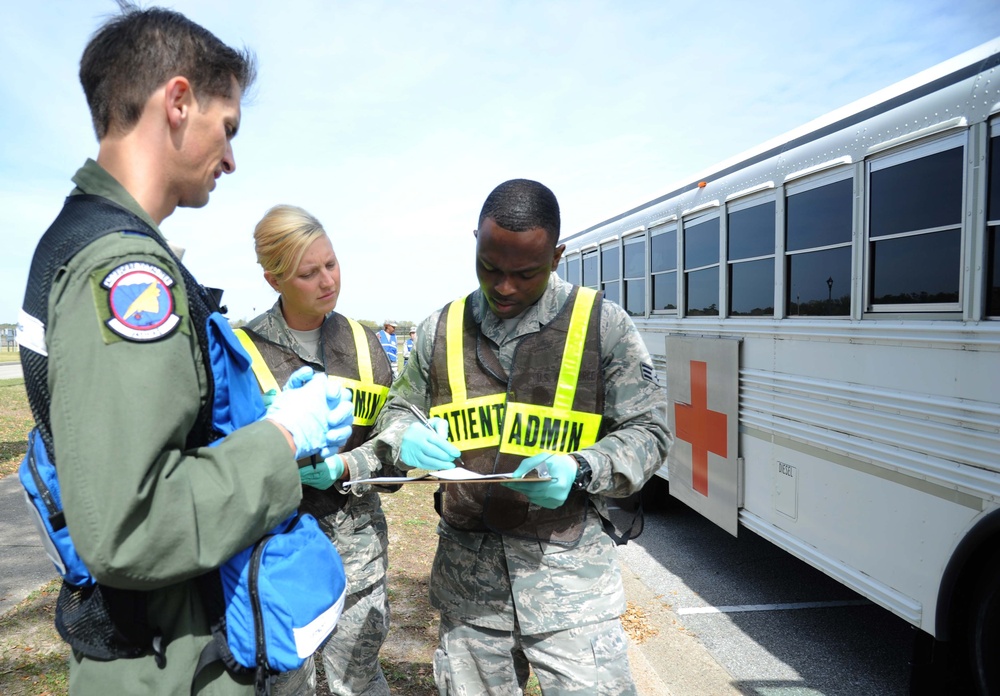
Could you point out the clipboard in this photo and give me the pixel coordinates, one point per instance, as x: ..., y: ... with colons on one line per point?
x: 456, y: 475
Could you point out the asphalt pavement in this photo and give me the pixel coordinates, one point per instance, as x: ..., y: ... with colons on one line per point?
x: 24, y: 567
x: 11, y: 370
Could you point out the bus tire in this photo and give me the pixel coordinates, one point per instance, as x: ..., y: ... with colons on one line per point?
x: 984, y: 634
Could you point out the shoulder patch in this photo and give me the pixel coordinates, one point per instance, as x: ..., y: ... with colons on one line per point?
x: 141, y: 302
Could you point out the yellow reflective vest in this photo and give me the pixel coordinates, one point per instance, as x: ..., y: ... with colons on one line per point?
x: 551, y: 402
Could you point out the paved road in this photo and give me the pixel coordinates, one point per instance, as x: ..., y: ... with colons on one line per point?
x: 736, y: 597
x: 24, y: 567
x: 10, y: 370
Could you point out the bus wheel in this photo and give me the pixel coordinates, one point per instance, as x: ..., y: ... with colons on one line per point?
x: 985, y: 630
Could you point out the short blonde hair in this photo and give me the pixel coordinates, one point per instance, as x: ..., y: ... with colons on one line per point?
x: 282, y: 237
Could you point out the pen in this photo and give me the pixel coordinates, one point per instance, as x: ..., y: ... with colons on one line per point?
x: 423, y: 419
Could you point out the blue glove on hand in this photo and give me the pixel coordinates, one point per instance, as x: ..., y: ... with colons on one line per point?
x: 424, y: 448
x: 341, y: 419
x: 548, y: 494
x: 304, y: 408
x: 324, y: 474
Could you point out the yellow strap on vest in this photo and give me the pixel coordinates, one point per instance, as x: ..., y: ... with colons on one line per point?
x: 456, y: 351
x: 368, y: 399
x: 569, y: 373
x: 364, y: 356
x: 473, y: 423
x: 260, y: 369
x: 530, y: 428
x: 367, y: 396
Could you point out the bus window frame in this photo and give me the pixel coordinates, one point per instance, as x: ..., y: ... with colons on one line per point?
x: 910, y: 152
x: 642, y: 237
x: 828, y: 177
x: 569, y: 257
x: 606, y: 245
x: 745, y: 203
x: 991, y: 226
x: 701, y: 217
x: 591, y: 250
x: 656, y: 231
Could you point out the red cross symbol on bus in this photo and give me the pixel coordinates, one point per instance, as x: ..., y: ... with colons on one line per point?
x: 705, y: 430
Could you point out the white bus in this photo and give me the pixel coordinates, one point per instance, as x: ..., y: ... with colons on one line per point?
x: 825, y: 310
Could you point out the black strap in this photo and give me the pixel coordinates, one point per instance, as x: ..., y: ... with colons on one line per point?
x: 629, y: 508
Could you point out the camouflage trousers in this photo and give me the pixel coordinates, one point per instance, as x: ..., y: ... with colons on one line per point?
x: 350, y: 654
x: 592, y: 660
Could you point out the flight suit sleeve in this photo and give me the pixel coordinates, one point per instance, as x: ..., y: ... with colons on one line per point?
x: 142, y: 510
x: 637, y: 435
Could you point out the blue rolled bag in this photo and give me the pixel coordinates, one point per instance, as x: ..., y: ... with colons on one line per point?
x: 274, y: 603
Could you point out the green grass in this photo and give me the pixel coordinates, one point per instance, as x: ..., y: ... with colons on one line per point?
x: 15, y: 422
x: 33, y: 658
x: 7, y: 356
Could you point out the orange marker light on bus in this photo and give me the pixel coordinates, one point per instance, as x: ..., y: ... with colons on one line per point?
x: 702, y: 184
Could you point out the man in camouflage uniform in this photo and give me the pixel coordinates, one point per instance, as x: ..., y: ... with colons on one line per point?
x: 524, y: 574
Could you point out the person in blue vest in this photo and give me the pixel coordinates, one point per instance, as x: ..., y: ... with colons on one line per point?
x: 116, y: 345
x: 387, y: 337
x: 408, y: 345
x: 528, y: 374
x: 303, y: 328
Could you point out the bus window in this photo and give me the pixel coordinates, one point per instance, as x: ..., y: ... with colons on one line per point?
x: 701, y: 255
x: 818, y: 249
x: 561, y: 269
x: 610, y: 273
x: 915, y: 233
x: 993, y: 228
x: 663, y: 267
x: 635, y: 275
x: 590, y: 270
x: 573, y: 269
x: 751, y: 261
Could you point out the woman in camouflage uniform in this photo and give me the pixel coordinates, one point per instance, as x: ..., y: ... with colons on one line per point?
x: 302, y: 329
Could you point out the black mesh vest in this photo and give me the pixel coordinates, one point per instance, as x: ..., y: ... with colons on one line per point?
x: 101, y: 622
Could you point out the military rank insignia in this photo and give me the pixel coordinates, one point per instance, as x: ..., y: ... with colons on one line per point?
x: 141, y: 302
x: 648, y: 374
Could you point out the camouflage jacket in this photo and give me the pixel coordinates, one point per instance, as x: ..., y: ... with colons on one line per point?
x: 504, y: 583
x: 358, y: 528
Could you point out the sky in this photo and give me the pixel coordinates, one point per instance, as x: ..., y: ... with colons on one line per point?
x: 392, y: 121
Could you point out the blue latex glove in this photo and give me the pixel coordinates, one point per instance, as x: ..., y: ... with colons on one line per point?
x: 304, y: 409
x: 547, y: 494
x: 341, y: 419
x: 324, y: 474
x: 428, y: 448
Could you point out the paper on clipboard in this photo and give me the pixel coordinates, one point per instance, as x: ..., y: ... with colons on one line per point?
x: 456, y: 475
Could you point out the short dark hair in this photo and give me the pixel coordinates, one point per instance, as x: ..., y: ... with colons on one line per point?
x: 138, y: 50
x: 521, y: 204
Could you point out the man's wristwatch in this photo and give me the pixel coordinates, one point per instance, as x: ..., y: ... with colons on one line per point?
x: 583, y: 473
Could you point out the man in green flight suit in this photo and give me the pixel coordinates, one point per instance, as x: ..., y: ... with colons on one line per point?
x: 528, y: 370
x: 115, y: 352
